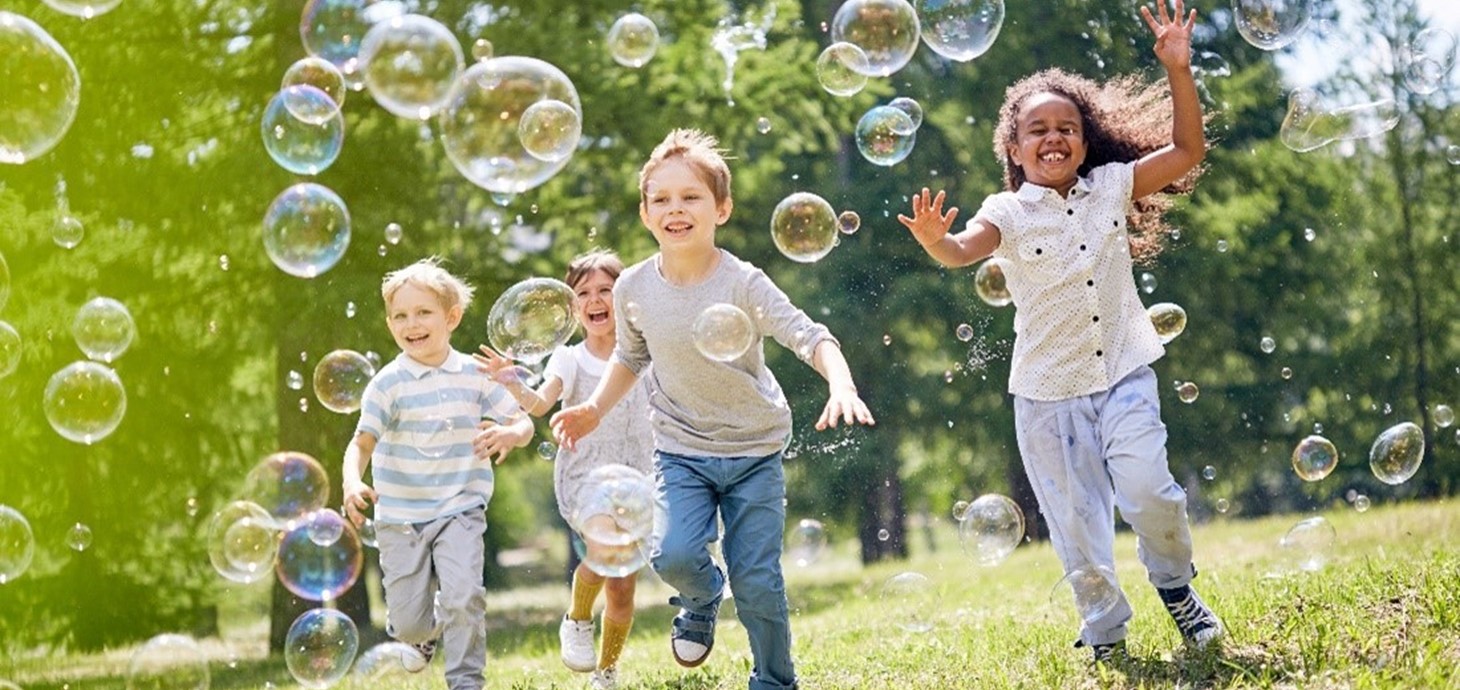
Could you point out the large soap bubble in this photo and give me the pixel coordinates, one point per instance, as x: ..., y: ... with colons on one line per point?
x: 10, y: 349
x: 168, y: 662
x: 288, y: 484
x: 990, y: 528
x: 912, y: 601
x: 306, y: 230
x: 806, y: 543
x: 960, y: 29
x: 1271, y: 24
x: 1309, y: 544
x: 885, y: 135
x: 340, y: 378
x: 85, y: 9
x: 242, y: 542
x: 320, y: 647
x: 1094, y: 589
x: 17, y: 544
x: 42, y: 90
x: 1314, y: 458
x: 550, y: 130
x: 85, y: 402
x: 103, y: 329
x: 410, y: 64
x: 1397, y: 453
x: 804, y: 227
x: 990, y: 283
x: 531, y: 319
x: 480, y: 124
x: 1310, y: 124
x: 886, y: 30
x: 1168, y: 318
x: 1426, y: 60
x: 303, y: 129
x: 319, y: 73
x: 334, y: 30
x: 633, y: 39
x: 616, y: 512
x: 842, y: 69
x: 315, y: 567
x: 723, y: 332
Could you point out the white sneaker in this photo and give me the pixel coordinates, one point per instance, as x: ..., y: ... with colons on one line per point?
x: 576, y: 640
x: 604, y: 679
x: 414, y: 658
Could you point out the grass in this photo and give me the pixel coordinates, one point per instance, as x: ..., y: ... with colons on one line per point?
x: 1383, y: 613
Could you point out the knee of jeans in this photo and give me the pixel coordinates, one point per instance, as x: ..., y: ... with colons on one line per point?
x: 760, y: 598
x: 676, y: 565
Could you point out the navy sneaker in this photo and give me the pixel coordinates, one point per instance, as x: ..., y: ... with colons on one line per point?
x: 1198, y: 625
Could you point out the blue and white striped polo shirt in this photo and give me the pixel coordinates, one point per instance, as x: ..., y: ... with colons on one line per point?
x: 423, y: 419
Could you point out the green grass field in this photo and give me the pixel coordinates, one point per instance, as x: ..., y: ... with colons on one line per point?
x: 1383, y: 613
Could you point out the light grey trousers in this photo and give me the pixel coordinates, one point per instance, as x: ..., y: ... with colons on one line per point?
x: 1088, y: 455
x: 432, y: 574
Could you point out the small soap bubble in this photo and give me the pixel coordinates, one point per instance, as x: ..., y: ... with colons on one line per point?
x: 913, y: 109
x: 349, y: 310
x: 306, y: 230
x: 804, y: 227
x: 912, y: 600
x: 991, y: 527
x: 990, y: 284
x: 1444, y: 416
x: 340, y: 379
x: 288, y: 484
x: 885, y: 135
x: 303, y: 130
x: 294, y: 380
x: 960, y: 507
x: 78, y: 537
x: 410, y: 64
x: 547, y: 450
x: 313, y: 566
x: 320, y: 647
x: 1286, y: 373
x: 1271, y: 24
x: 17, y: 544
x: 806, y: 542
x: 42, y: 87
x: 1452, y: 154
x: 723, y: 332
x: 848, y: 222
x: 1209, y: 473
x: 842, y: 69
x: 1309, y: 234
x: 763, y: 125
x: 242, y: 542
x: 481, y: 49
x: 1309, y: 544
x: 393, y: 233
x: 1094, y: 588
x: 1223, y: 505
x: 1267, y: 344
x: 223, y: 262
x: 67, y: 232
x: 883, y: 535
x: 1361, y: 503
x: 1169, y: 320
x: 368, y: 535
x: 1187, y: 392
x: 191, y: 506
x: 304, y: 404
x: 887, y: 341
x: 1148, y: 283
x: 85, y: 402
x: 1222, y: 246
x: 550, y: 131
x: 948, y: 376
x: 319, y: 73
x: 1314, y: 458
x: 632, y: 40
x: 963, y: 332
x: 1397, y: 453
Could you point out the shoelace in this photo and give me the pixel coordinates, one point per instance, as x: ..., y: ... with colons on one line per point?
x: 1190, y: 615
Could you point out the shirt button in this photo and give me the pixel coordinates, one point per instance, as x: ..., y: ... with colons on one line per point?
x: 1096, y: 319
x: 1082, y: 247
x: 1099, y: 353
x: 1070, y: 211
x: 1091, y: 283
x: 1038, y: 251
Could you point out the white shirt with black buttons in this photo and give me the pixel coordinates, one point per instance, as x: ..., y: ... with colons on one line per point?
x: 1079, y: 323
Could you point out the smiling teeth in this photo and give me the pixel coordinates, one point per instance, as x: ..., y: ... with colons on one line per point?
x: 1053, y: 157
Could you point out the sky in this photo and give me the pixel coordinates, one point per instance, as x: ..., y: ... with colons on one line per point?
x: 1310, y: 62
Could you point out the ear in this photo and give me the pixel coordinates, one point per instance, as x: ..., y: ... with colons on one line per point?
x: 453, y: 317
x: 644, y: 212
x: 722, y: 212
x: 1013, y: 152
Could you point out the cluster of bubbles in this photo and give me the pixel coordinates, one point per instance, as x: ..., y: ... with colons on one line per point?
x: 320, y: 647
x: 340, y: 378
x: 306, y: 230
x: 17, y: 544
x: 1271, y: 24
x: 1094, y: 589
x: 531, y: 319
x: 632, y: 40
x: 482, y: 123
x: 723, y: 332
x: 1169, y: 320
x: 989, y: 528
x: 618, y: 514
x: 43, y: 90
x: 806, y: 542
x: 804, y: 227
x: 168, y: 661
x: 1310, y: 124
x: 912, y: 599
x: 990, y: 283
x: 886, y: 134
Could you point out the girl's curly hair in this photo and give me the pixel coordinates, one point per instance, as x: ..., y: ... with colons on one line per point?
x: 1123, y: 119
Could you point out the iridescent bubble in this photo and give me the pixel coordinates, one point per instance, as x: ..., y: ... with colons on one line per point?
x: 990, y: 528
x: 1209, y: 473
x: 1148, y: 283
x: 368, y: 535
x: 1361, y: 503
x: 883, y: 535
x: 1267, y: 344
x: 1452, y: 154
x: 804, y: 227
x: 480, y: 123
x: 842, y: 69
x: 885, y: 135
x: 1187, y: 392
x: 78, y: 537
x: 960, y: 30
x: 393, y: 233
x: 316, y: 571
x: 242, y: 542
x: 306, y: 230
x: 1397, y: 453
x: 550, y: 130
x: 17, y: 544
x: 1271, y: 24
x: 1309, y: 544
x: 4, y: 282
x: 1427, y: 59
x: 763, y: 125
x: 303, y: 130
x: 482, y: 49
x: 10, y: 349
x: 963, y: 332
x: 1310, y: 124
x: 723, y: 332
x: 42, y: 90
x: 806, y: 542
x: 1169, y: 320
x: 334, y: 30
x: 547, y: 450
x: 990, y: 284
x: 531, y: 319
x: 67, y: 231
x: 85, y: 402
x: 288, y: 484
x: 848, y: 222
x: 1444, y: 416
x: 321, y: 74
x: 632, y: 40
x: 616, y: 513
x: 383, y: 660
x: 410, y: 63
x: 320, y: 647
x: 1286, y: 373
x: 886, y: 30
x: 912, y: 108
x: 912, y: 601
x: 168, y: 662
x: 1314, y: 458
x: 1223, y: 505
x: 1094, y: 588
x: 103, y: 329
x: 340, y: 379
x: 959, y: 508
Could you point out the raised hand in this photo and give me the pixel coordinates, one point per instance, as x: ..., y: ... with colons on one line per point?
x: 928, y: 222
x: 1173, y: 36
x: 573, y: 423
x: 493, y: 364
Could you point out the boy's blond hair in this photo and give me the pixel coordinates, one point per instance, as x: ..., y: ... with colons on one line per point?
x: 428, y: 274
x: 701, y: 151
x: 597, y: 260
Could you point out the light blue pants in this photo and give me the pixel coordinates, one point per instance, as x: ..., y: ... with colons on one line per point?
x: 1088, y: 455
x: 432, y: 576
x: 749, y: 494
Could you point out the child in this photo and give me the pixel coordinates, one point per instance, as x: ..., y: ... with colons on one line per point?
x: 1077, y: 157
x: 417, y: 422
x: 719, y: 427
x: 571, y: 374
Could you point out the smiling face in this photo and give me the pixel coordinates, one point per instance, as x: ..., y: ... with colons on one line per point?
x: 421, y: 324
x: 680, y: 209
x: 593, y: 303
x: 1049, y: 141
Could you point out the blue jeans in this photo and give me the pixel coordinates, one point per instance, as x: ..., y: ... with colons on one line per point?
x: 749, y: 493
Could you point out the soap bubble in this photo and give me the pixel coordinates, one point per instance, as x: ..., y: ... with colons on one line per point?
x: 480, y: 123
x: 85, y: 402
x: 1187, y: 392
x: 319, y: 73
x: 990, y: 528
x: 303, y: 129
x: 325, y: 527
x: 319, y: 571
x: 383, y: 660
x: 990, y: 284
x: 912, y: 600
x: 550, y: 130
x: 1169, y: 320
x: 531, y: 319
x: 410, y: 64
x: 1397, y: 453
x: 1361, y: 503
x: 1314, y: 458
x: 1427, y: 59
x: 1309, y: 544
x: 1444, y: 415
x: 340, y: 379
x: 1209, y: 473
x: 960, y: 29
x: 10, y: 349
x: 885, y: 135
x: 78, y: 537
x: 804, y: 227
x: 616, y: 512
x: 335, y: 29
x: 886, y: 30
x: 806, y: 543
x: 85, y: 9
x: 4, y: 282
x: 42, y: 90
x: 1148, y: 283
x: 763, y: 125
x: 848, y: 222
x: 168, y: 662
x: 963, y: 332
x: 17, y: 544
x: 320, y: 647
x: 1271, y: 24
x: 242, y: 542
x: 842, y: 69
x: 912, y: 108
x: 67, y: 231
x: 288, y: 485
x: 723, y: 332
x: 103, y: 329
x: 633, y: 40
x: 368, y: 535
x: 547, y: 450
x: 1095, y: 590
x: 1267, y: 345
x: 1310, y: 124
x: 306, y: 230
x: 482, y: 49
x: 959, y: 508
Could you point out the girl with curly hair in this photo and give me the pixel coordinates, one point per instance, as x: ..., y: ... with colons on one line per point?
x: 1085, y: 169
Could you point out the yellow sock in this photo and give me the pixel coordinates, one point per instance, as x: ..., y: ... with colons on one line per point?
x: 584, y: 594
x: 615, y: 634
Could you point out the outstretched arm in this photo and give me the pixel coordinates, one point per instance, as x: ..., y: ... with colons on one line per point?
x: 503, y: 371
x: 1188, y: 146
x: 358, y: 496
x: 929, y: 226
x: 573, y: 423
x: 842, y: 401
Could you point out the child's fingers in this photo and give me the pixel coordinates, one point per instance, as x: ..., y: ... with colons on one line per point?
x: 1150, y: 21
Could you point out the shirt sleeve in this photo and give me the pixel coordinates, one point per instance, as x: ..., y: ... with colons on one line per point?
x: 561, y: 365
x: 629, y: 348
x: 776, y: 316
x: 996, y: 212
x: 1115, y: 178
x: 375, y: 409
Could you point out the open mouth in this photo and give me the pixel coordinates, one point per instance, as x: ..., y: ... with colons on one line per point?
x: 417, y: 339
x: 677, y: 229
x: 1053, y: 157
x: 600, y: 317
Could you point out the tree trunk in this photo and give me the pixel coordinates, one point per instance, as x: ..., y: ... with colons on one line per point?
x: 882, y: 525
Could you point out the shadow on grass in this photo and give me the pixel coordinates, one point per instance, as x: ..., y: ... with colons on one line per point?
x: 1225, y: 666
